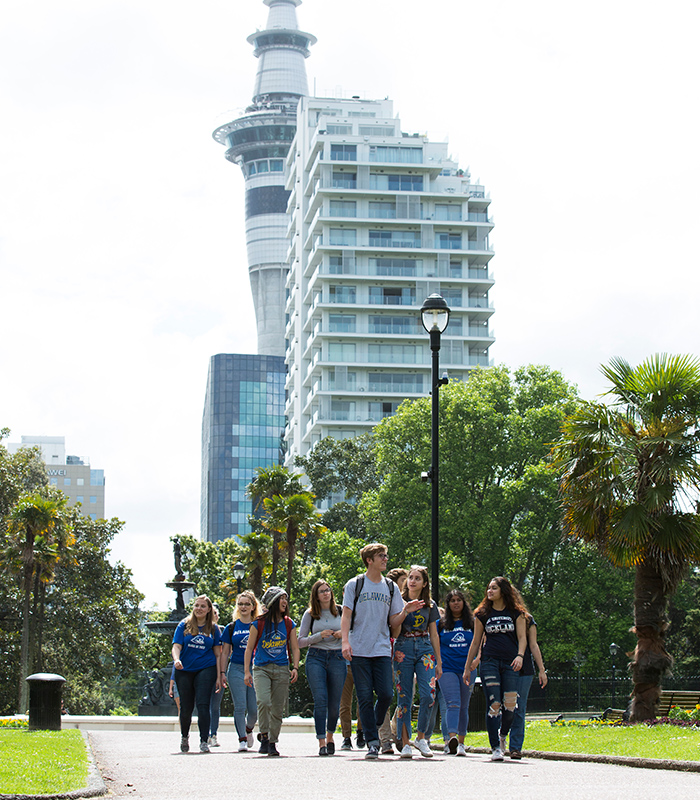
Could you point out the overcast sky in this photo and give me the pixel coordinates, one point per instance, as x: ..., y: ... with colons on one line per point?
x: 122, y: 249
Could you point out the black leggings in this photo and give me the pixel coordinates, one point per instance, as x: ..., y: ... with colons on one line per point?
x: 195, y: 687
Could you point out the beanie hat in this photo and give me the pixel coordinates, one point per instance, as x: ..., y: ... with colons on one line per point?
x: 271, y: 595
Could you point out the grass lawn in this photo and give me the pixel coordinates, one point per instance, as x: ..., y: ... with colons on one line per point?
x: 659, y: 741
x: 42, y: 762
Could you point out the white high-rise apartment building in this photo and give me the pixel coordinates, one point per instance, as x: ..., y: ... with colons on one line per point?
x: 378, y: 220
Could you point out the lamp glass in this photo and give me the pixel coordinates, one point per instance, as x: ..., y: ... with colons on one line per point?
x: 239, y: 571
x: 435, y: 319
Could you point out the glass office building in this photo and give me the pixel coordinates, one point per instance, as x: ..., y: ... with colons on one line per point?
x: 242, y: 429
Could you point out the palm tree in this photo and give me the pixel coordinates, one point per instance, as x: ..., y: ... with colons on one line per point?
x: 292, y: 516
x: 630, y: 483
x: 257, y: 557
x: 39, y: 535
x: 268, y: 482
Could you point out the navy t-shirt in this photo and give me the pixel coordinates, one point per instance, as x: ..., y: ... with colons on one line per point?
x: 197, y: 651
x: 501, y: 637
x: 236, y: 634
x: 454, y: 647
x: 417, y: 622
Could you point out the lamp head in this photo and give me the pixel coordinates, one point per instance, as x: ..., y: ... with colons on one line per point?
x: 435, y: 313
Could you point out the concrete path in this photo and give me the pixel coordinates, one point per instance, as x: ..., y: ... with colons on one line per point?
x: 149, y: 766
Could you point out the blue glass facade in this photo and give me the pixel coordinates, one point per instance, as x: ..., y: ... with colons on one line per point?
x: 242, y: 429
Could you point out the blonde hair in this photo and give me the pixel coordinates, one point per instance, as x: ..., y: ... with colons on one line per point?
x: 255, y: 611
x: 191, y: 624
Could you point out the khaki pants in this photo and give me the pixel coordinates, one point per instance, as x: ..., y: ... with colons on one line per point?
x: 346, y: 708
x: 271, y: 690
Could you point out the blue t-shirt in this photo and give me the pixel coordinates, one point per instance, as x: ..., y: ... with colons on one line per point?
x: 454, y: 647
x: 417, y: 622
x: 271, y: 646
x: 197, y: 651
x: 236, y: 634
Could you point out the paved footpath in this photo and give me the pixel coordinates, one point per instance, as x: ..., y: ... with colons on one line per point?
x: 148, y: 765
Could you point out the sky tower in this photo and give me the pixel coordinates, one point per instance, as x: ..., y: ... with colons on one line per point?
x: 259, y: 142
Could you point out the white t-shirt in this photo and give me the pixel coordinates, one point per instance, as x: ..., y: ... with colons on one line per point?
x: 369, y: 637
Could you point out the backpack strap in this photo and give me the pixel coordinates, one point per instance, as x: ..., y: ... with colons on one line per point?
x: 358, y: 589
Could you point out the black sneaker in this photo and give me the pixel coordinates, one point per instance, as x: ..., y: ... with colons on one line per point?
x: 323, y: 750
x: 372, y: 752
x: 272, y: 749
x: 184, y: 744
x: 331, y: 748
x: 347, y: 744
x: 360, y: 740
x: 264, y: 746
x: 452, y: 745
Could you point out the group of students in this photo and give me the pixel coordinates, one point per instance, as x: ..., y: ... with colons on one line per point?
x: 387, y: 633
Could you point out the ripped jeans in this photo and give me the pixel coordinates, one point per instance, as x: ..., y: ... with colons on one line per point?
x: 500, y: 684
x: 414, y: 656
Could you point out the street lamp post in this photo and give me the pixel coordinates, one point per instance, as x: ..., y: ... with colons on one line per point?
x: 435, y: 316
x: 239, y: 574
x: 614, y: 650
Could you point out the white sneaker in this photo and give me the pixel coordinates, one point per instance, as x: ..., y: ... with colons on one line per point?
x: 204, y: 747
x: 446, y: 749
x: 460, y: 750
x: 424, y: 748
x: 407, y: 752
x: 213, y: 742
x: 502, y: 743
x: 243, y: 746
x: 250, y: 739
x: 497, y: 754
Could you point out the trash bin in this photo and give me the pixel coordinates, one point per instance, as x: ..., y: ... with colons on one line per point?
x: 45, y: 689
x: 477, y: 708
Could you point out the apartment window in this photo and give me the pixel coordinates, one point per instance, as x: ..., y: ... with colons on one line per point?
x: 344, y: 180
x: 392, y: 295
x: 453, y: 297
x: 80, y: 481
x: 79, y: 498
x: 343, y: 208
x: 392, y: 353
x: 379, y: 210
x: 339, y: 129
x: 395, y: 266
x: 93, y: 498
x: 394, y: 239
x: 341, y: 294
x: 341, y: 351
x: 340, y: 378
x: 341, y: 323
x: 342, y: 410
x: 403, y: 183
x: 393, y: 382
x: 396, y: 155
x: 343, y: 236
x: 376, y: 130
x: 389, y: 324
x: 53, y: 481
x: 449, y: 241
x: 448, y: 211
x: 66, y: 481
x: 379, y: 410
x: 343, y: 152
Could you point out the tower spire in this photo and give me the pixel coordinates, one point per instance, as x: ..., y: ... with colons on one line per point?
x: 259, y: 142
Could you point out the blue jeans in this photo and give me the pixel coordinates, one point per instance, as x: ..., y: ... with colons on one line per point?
x: 372, y: 676
x: 414, y: 656
x: 215, y: 710
x: 457, y: 696
x: 195, y: 687
x: 498, y: 679
x: 517, y: 729
x: 442, y: 705
x: 326, y: 671
x: 245, y: 706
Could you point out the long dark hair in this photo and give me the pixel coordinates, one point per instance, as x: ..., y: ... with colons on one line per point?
x: 315, y: 604
x: 273, y: 615
x: 511, y: 597
x: 467, y: 618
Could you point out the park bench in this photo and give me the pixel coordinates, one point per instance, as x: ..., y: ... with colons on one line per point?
x: 669, y: 698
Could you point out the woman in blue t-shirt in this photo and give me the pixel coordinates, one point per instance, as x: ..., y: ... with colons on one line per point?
x: 416, y: 652
x: 196, y: 651
x: 501, y: 617
x: 234, y: 642
x: 272, y: 639
x: 456, y: 633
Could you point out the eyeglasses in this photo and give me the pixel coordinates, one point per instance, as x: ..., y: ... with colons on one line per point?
x: 384, y: 556
x: 324, y: 591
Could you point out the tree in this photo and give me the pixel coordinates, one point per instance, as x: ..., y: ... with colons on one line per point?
x: 498, y: 501
x: 629, y: 483
x: 342, y: 466
x: 268, y: 482
x: 38, y: 535
x: 293, y: 515
x: 256, y: 548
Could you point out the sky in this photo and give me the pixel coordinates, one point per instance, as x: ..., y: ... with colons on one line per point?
x: 122, y: 246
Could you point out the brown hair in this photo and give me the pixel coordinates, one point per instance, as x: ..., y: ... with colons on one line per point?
x: 511, y: 597
x: 191, y: 624
x: 396, y: 573
x: 255, y: 611
x: 369, y: 551
x: 315, y: 603
x: 425, y: 591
